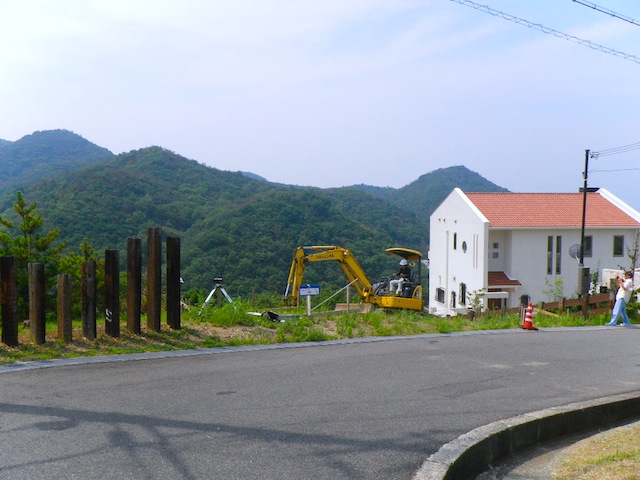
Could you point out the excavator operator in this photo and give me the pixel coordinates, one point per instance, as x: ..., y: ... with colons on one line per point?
x: 399, y: 278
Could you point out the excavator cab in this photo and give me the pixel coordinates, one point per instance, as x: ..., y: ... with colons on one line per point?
x: 413, y: 257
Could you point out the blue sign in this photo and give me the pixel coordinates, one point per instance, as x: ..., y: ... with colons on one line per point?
x: 309, y: 290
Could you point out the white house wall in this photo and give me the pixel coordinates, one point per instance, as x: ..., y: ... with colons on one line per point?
x: 529, y: 263
x: 458, y: 234
x: 499, y: 250
x: 603, y: 249
x: 527, y: 260
x: 520, y: 253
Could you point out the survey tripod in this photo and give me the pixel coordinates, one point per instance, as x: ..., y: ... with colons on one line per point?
x: 219, y: 291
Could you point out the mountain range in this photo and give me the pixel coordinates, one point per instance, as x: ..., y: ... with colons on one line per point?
x: 232, y: 224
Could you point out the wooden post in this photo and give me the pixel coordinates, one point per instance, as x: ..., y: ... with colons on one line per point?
x: 37, y: 317
x: 9, y: 300
x: 173, y: 282
x: 134, y: 284
x: 154, y: 278
x: 112, y: 292
x: 65, y: 331
x: 89, y: 297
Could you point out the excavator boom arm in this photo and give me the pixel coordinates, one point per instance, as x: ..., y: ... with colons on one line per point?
x: 350, y: 266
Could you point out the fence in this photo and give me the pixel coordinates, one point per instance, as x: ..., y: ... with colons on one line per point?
x: 37, y: 293
x: 590, y: 304
x: 587, y: 305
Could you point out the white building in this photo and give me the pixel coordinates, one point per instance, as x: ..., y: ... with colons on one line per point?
x: 508, y: 245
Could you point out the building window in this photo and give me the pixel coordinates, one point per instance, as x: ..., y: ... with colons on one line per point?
x: 549, y: 255
x: 453, y: 300
x: 464, y: 247
x: 558, y: 254
x: 440, y: 295
x: 455, y: 241
x: 496, y: 247
x: 588, y: 246
x: 462, y: 294
x: 618, y: 245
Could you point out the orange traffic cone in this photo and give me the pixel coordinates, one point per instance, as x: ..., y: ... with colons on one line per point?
x: 528, y: 318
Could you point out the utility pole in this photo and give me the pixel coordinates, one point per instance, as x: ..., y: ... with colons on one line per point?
x: 585, y: 175
x: 583, y: 273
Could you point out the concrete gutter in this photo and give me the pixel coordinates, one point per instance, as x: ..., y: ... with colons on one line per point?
x: 475, y: 452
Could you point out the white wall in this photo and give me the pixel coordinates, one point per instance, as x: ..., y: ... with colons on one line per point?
x: 528, y: 262
x: 522, y: 255
x: 498, y: 257
x: 456, y: 219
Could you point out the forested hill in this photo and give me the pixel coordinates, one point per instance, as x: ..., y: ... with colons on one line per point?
x: 423, y: 195
x: 231, y: 224
x: 45, y: 154
x: 427, y: 192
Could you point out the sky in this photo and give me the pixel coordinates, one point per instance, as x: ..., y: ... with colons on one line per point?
x: 336, y: 93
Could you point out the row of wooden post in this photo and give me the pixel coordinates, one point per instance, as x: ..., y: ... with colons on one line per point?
x: 9, y: 293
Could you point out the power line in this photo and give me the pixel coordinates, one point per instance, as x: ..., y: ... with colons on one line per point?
x: 616, y: 150
x: 549, y: 31
x: 616, y: 170
x: 598, y: 8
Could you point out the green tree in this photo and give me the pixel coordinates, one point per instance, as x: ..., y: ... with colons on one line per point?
x: 71, y: 263
x: 24, y: 240
x: 554, y: 291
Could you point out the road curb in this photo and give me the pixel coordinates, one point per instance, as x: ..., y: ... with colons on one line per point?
x: 475, y: 452
x: 61, y: 362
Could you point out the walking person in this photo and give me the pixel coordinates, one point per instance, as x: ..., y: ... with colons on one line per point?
x: 622, y: 299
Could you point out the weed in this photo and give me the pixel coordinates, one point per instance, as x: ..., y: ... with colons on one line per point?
x: 613, y: 455
x: 232, y: 324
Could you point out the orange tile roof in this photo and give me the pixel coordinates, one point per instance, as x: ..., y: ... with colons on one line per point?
x: 531, y: 210
x: 500, y: 279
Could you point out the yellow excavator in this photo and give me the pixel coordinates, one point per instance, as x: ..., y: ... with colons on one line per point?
x: 377, y: 294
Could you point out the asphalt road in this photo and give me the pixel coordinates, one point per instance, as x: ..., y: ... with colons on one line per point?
x: 361, y: 410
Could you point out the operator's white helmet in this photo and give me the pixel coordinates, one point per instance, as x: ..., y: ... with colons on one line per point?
x: 403, y: 262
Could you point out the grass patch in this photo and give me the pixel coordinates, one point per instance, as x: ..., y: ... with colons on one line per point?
x: 612, y: 455
x: 233, y: 325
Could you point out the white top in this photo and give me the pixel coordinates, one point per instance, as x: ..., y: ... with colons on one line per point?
x: 625, y: 290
